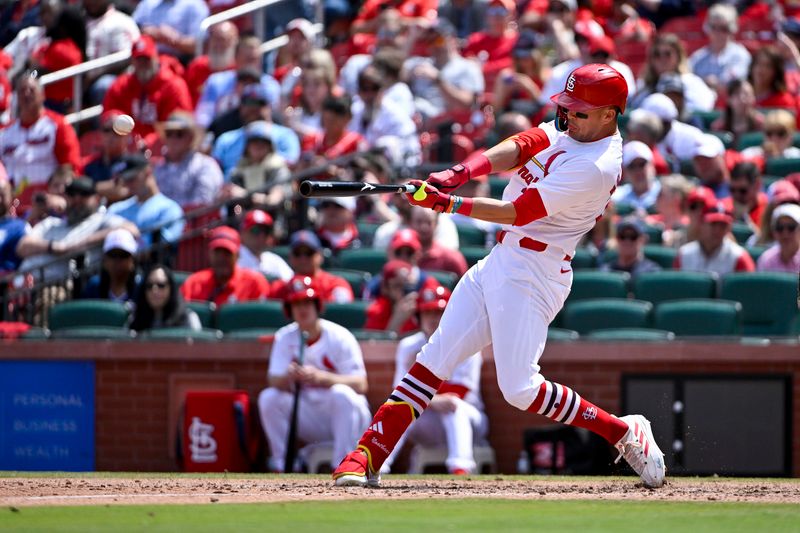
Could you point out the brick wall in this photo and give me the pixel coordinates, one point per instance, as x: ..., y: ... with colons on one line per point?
x: 133, y: 383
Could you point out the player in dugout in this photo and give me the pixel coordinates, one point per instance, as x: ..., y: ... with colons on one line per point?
x: 568, y: 170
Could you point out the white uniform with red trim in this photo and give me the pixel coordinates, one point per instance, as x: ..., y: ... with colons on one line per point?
x: 508, y: 298
x: 336, y: 414
x: 459, y: 430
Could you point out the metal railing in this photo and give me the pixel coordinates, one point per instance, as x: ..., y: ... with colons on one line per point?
x: 232, y: 13
x: 75, y: 72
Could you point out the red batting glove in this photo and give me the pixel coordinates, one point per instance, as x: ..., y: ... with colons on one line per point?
x: 456, y: 176
x: 439, y: 201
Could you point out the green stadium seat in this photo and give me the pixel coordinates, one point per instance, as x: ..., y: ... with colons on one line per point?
x: 358, y: 279
x: 767, y: 181
x: 205, y: 312
x: 561, y: 334
x: 351, y: 315
x: 654, y: 234
x: 632, y: 334
x: 756, y: 251
x: 657, y: 287
x: 725, y: 136
x: 662, y: 255
x: 470, y: 235
x: 606, y: 313
x: 583, y: 259
x: 366, y: 232
x: 752, y: 138
x: 707, y: 117
x: 80, y: 313
x: 282, y: 251
x: 95, y: 333
x: 364, y: 259
x: 769, y: 300
x: 180, y: 276
x: 473, y: 254
x: 184, y: 334
x: 250, y: 334
x: 587, y: 284
x: 247, y: 315
x: 446, y: 279
x: 35, y: 334
x: 496, y: 187
x: 782, y: 167
x: 741, y: 232
x: 699, y: 317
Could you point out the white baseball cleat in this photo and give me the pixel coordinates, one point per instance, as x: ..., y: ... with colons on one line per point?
x: 640, y: 450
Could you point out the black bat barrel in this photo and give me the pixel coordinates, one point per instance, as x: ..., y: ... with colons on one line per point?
x: 315, y: 189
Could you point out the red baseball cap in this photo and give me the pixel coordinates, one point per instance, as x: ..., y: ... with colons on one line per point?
x: 144, y: 47
x: 433, y: 299
x: 604, y: 43
x: 394, y: 268
x: 783, y: 191
x: 256, y: 217
x: 593, y: 86
x: 717, y: 213
x: 226, y: 238
x: 406, y: 237
x: 702, y: 195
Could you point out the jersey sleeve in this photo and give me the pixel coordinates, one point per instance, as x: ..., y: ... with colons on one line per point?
x: 349, y: 359
x: 571, y: 184
x: 280, y: 356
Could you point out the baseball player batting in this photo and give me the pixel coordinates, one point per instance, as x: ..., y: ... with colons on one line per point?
x: 567, y: 171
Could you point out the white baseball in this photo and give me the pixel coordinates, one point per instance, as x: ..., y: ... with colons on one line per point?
x: 123, y: 125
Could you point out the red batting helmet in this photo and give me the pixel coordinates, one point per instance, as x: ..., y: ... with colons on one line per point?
x: 593, y: 86
x: 301, y: 288
x: 433, y: 299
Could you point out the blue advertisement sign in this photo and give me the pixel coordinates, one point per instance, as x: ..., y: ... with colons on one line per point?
x: 47, y: 415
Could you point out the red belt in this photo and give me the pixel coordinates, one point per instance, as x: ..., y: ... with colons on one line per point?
x: 529, y: 244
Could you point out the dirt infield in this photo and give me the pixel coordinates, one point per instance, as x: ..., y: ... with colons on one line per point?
x: 27, y: 491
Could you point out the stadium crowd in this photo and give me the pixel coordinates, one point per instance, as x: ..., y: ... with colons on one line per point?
x: 387, y: 89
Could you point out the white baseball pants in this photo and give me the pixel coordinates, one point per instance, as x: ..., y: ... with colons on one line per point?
x: 507, y: 299
x: 337, y: 413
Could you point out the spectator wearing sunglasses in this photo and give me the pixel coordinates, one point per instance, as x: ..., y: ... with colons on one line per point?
x: 784, y: 255
x: 405, y: 246
x: 83, y: 227
x: 257, y: 239
x: 631, y: 239
x: 186, y: 175
x: 159, y: 303
x: 746, y: 202
x: 117, y: 280
x: 640, y: 187
x: 722, y: 60
x: 779, y: 129
x: 305, y: 258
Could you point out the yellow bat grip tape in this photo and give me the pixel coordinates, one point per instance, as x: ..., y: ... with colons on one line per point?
x: 420, y: 194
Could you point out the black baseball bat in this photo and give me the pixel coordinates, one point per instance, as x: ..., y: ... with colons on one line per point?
x: 291, y: 439
x: 316, y: 189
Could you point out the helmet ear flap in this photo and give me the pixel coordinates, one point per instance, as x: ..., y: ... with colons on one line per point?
x: 561, y: 118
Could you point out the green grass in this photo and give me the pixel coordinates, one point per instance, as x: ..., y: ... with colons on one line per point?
x: 416, y: 516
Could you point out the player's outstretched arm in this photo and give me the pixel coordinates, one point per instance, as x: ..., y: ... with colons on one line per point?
x: 523, y: 210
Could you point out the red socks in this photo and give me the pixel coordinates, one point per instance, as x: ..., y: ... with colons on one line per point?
x: 562, y: 404
x: 408, y: 400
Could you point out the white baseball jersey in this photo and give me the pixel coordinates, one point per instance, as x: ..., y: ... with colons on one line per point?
x: 467, y: 374
x: 575, y: 180
x: 336, y: 350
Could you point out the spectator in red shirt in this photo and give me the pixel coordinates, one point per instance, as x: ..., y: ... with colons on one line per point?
x: 746, y: 202
x: 38, y: 144
x: 335, y: 140
x: 301, y: 40
x: 395, y: 308
x: 768, y: 77
x: 494, y: 45
x: 65, y: 47
x: 225, y: 282
x: 412, y: 12
x: 150, y: 93
x: 405, y: 246
x: 222, y: 40
x: 434, y: 255
x: 305, y: 258
x: 336, y: 228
